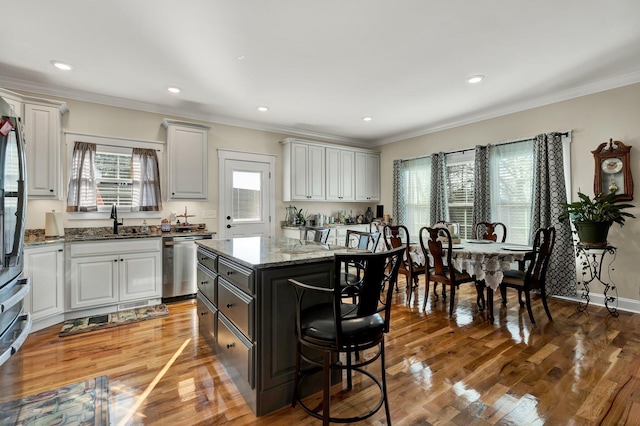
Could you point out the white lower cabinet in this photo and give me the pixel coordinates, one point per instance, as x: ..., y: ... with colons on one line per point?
x: 94, y: 281
x: 44, y: 265
x: 107, y: 273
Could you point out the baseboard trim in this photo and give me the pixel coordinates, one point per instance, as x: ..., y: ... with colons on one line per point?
x: 626, y: 305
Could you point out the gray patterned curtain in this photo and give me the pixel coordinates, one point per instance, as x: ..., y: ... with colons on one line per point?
x: 146, y: 180
x: 439, y: 203
x: 82, y: 183
x: 482, y: 185
x: 549, y: 190
x: 399, y: 204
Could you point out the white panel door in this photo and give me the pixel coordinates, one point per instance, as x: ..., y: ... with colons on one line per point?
x: 247, y: 198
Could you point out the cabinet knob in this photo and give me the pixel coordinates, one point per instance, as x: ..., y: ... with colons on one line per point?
x: 203, y: 313
x: 229, y: 272
x: 51, y: 190
x: 230, y: 345
x: 115, y: 260
x: 229, y: 305
x: 204, y: 282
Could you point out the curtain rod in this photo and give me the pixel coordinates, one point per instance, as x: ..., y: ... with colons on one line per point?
x: 462, y: 151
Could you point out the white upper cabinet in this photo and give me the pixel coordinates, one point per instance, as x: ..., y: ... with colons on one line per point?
x: 340, y: 174
x: 42, y: 120
x: 303, y: 171
x: 187, y: 160
x: 367, y: 176
x: 314, y: 171
x: 14, y: 101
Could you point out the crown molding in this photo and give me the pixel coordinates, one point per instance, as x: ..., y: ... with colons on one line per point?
x: 576, y: 92
x: 587, y: 89
x: 82, y: 96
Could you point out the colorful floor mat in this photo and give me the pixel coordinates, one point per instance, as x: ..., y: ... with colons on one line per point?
x: 113, y: 319
x: 84, y: 403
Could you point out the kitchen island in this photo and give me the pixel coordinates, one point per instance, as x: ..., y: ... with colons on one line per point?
x: 246, y: 309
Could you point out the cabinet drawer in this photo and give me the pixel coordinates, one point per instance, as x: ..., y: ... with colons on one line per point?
x: 237, y: 306
x: 237, y: 354
x: 208, y: 259
x: 207, y: 284
x: 239, y: 275
x: 207, y: 320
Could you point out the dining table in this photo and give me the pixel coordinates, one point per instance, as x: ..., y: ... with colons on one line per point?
x: 486, y: 260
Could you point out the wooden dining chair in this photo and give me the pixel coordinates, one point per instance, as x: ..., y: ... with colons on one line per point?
x: 533, y: 278
x: 487, y: 231
x: 439, y: 260
x: 396, y: 236
x: 319, y: 235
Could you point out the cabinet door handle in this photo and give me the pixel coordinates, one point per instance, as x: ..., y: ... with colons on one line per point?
x: 203, y: 313
x: 51, y: 190
x: 229, y: 272
x: 115, y: 260
x: 229, y: 305
x: 204, y: 282
x: 230, y: 345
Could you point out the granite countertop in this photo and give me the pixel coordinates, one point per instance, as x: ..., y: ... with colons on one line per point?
x: 269, y: 252
x: 333, y: 225
x: 35, y: 237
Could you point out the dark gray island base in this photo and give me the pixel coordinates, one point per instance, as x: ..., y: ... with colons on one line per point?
x: 246, y: 309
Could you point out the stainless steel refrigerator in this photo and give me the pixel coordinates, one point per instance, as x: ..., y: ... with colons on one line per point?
x: 15, y: 324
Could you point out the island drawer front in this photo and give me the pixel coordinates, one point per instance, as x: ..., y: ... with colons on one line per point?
x: 239, y: 275
x: 207, y: 320
x: 208, y: 259
x: 237, y: 354
x: 207, y: 284
x: 237, y: 306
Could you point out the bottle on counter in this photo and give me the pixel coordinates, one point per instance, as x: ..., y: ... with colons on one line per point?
x: 144, y: 228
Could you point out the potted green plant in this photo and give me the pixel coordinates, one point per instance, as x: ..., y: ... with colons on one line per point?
x: 592, y: 217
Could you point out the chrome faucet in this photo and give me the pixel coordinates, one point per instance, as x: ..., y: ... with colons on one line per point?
x: 114, y: 216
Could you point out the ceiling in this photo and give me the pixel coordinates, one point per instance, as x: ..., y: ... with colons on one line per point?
x: 321, y: 66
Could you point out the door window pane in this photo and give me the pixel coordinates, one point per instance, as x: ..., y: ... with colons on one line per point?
x: 247, y: 198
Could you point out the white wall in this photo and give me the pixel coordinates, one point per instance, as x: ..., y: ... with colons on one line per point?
x: 593, y: 119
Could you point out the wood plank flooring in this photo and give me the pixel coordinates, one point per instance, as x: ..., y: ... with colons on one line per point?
x: 579, y: 369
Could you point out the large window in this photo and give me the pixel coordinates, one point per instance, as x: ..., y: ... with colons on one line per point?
x: 460, y: 187
x: 511, y: 180
x: 417, y: 184
x: 511, y: 176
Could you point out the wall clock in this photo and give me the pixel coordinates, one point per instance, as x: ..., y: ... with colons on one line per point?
x: 613, y: 171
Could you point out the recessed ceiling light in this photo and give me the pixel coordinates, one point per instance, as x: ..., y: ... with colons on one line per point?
x: 475, y: 79
x: 173, y: 89
x: 367, y: 118
x: 263, y: 108
x: 61, y: 65
x: 241, y: 58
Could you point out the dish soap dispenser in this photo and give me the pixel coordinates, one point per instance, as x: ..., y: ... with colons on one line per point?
x: 144, y: 228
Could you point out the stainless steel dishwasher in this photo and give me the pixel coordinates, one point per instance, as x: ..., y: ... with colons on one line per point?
x: 179, y: 266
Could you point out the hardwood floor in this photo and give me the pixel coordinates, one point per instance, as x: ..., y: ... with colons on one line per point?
x: 581, y: 368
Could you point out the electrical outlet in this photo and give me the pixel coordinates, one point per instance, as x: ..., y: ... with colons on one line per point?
x: 209, y: 214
